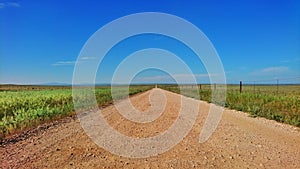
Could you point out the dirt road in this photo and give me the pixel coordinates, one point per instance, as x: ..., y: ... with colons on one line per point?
x: 239, y: 142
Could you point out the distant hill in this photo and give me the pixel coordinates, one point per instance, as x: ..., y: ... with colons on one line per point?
x: 53, y: 84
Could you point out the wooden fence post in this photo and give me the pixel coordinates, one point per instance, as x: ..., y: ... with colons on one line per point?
x: 241, y: 85
x: 277, y: 85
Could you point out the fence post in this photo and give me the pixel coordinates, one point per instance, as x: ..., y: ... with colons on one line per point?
x: 214, y: 86
x: 277, y: 85
x: 241, y: 86
x: 200, y: 87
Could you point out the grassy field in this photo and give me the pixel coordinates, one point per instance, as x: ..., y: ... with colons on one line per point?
x: 23, y: 107
x: 280, y: 103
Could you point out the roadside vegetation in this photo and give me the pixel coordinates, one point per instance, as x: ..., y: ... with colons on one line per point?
x: 280, y: 103
x: 24, y: 107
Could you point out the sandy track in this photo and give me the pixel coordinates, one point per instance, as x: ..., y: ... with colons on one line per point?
x: 238, y: 142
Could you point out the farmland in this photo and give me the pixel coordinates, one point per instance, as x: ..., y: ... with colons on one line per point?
x: 238, y: 142
x: 280, y: 103
x: 24, y: 107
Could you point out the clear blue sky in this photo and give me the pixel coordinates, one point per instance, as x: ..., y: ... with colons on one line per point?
x: 255, y: 39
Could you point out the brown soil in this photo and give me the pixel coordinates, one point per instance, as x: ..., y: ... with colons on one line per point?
x: 239, y: 142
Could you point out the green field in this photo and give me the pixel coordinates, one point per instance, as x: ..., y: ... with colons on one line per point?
x: 23, y: 107
x: 280, y: 103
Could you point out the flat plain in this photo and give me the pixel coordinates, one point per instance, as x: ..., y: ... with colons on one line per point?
x: 239, y: 141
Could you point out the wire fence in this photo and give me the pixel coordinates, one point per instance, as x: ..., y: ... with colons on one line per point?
x: 271, y: 85
x: 278, y: 85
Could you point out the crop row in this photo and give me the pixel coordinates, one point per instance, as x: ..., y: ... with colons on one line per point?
x: 21, y: 110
